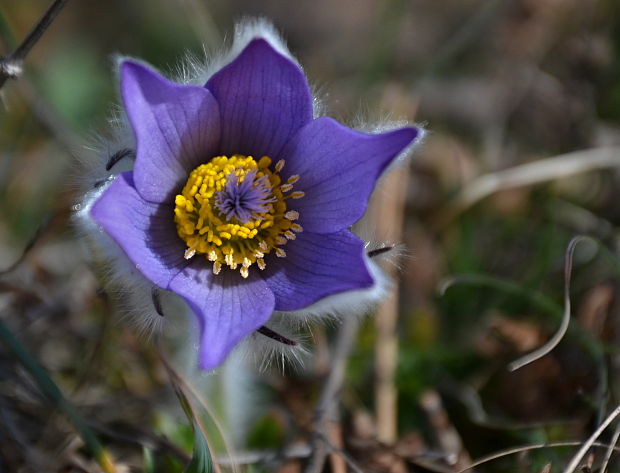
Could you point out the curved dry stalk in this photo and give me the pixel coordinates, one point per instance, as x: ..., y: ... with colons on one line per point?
x: 572, y: 466
x: 559, y: 335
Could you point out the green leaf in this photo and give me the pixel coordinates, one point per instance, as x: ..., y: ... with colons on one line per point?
x: 201, y: 455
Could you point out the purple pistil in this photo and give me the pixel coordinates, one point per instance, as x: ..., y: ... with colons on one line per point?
x: 245, y: 200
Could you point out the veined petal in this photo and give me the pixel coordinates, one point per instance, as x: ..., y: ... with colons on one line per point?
x: 176, y: 126
x: 264, y: 100
x: 316, y: 266
x: 338, y: 169
x: 145, y: 231
x: 228, y: 307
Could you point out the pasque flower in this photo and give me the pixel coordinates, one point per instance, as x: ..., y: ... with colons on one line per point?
x: 240, y: 198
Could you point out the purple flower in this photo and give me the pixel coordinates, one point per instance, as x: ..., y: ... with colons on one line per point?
x: 240, y: 199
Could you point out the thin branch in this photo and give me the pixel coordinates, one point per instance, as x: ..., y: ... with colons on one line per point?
x: 327, y: 402
x: 11, y: 65
x: 559, y: 335
x: 345, y: 456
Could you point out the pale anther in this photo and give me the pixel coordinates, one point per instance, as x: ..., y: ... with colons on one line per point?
x: 259, y: 254
x: 286, y: 187
x: 290, y: 235
x: 298, y: 194
x: 297, y: 228
x: 189, y: 253
x: 280, y: 253
x: 213, y: 255
x: 263, y: 245
x: 217, y: 267
x: 280, y: 240
x: 244, y: 272
x: 279, y: 165
x: 293, y: 179
x: 261, y: 263
x: 291, y: 215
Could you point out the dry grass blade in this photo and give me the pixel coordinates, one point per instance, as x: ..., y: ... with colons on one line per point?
x: 530, y: 174
x: 572, y: 466
x: 528, y: 448
x: 557, y: 337
x: 610, y: 450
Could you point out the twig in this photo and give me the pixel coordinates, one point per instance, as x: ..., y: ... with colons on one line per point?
x: 327, y: 402
x: 572, y: 466
x: 557, y: 337
x: 345, y: 456
x: 11, y: 65
x: 29, y: 245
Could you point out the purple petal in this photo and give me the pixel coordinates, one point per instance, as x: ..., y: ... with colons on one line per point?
x: 228, y: 307
x: 316, y: 266
x: 145, y: 231
x: 338, y: 169
x: 264, y: 99
x: 177, y: 127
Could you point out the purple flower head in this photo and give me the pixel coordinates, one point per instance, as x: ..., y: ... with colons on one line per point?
x: 240, y: 198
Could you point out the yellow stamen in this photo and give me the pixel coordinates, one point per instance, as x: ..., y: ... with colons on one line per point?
x: 291, y: 215
x: 223, y: 239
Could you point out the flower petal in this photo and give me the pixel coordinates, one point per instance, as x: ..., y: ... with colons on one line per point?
x: 317, y: 266
x: 145, y: 231
x: 264, y: 99
x: 338, y: 168
x: 177, y: 127
x: 228, y: 307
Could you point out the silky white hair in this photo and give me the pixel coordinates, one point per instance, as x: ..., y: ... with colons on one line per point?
x: 127, y: 284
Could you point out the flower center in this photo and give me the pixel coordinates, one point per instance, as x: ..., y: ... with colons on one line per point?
x: 233, y: 210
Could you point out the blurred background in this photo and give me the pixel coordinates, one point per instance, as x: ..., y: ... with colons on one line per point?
x: 521, y: 99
